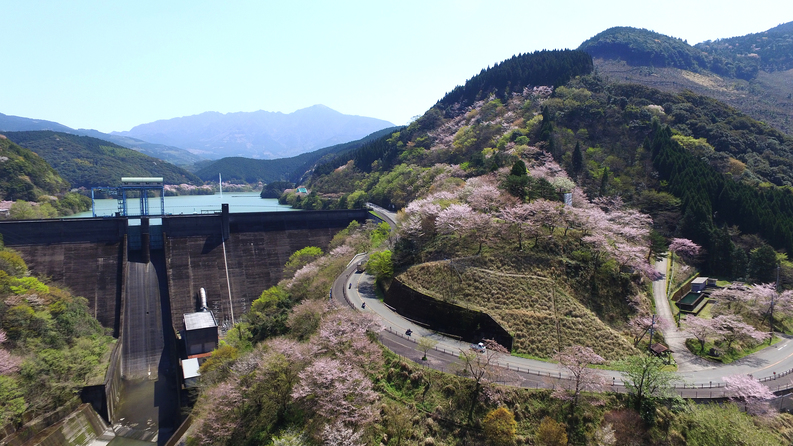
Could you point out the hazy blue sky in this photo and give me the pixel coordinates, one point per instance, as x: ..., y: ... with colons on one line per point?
x: 110, y: 65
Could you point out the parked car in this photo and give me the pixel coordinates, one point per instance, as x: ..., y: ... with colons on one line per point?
x: 479, y: 348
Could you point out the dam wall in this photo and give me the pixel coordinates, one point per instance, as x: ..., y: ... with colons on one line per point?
x: 89, y: 256
x: 257, y: 249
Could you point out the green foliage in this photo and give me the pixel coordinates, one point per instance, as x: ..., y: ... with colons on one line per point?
x: 716, y: 425
x: 25, y: 175
x: 12, y: 263
x: 646, y: 381
x: 85, y: 162
x: 551, y: 433
x: 380, y: 234
x: 284, y: 169
x: 300, y: 258
x: 26, y: 285
x: 380, y: 265
x: 63, y: 346
x: 218, y: 366
x: 512, y: 75
x: 762, y: 264
x: 12, y: 402
x: 772, y: 50
x: 499, y: 426
x: 643, y: 47
x: 268, y: 313
x: 275, y: 189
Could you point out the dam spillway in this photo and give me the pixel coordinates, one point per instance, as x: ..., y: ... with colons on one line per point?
x: 89, y: 256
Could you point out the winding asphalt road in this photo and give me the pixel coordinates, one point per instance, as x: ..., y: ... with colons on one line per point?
x: 698, y: 377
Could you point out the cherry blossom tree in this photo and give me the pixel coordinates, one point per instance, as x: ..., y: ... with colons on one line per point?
x: 343, y: 334
x: 734, y: 328
x: 8, y: 363
x: 702, y: 329
x: 337, y: 434
x: 684, y: 248
x: 761, y: 300
x: 641, y: 325
x: 482, y: 368
x: 221, y: 414
x: 336, y: 391
x: 750, y: 391
x: 519, y: 217
x: 576, y: 360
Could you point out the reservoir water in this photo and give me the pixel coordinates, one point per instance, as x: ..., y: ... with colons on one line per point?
x: 239, y: 202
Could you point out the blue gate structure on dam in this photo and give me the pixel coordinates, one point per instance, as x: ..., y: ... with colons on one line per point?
x: 141, y: 185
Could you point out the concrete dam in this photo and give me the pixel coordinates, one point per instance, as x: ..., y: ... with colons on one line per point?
x: 140, y: 280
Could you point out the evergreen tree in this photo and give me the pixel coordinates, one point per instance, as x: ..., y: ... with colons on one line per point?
x: 578, y: 160
x: 762, y: 264
x: 604, y: 181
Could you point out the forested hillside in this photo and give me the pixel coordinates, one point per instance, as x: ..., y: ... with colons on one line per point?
x: 85, y: 162
x: 543, y: 206
x: 751, y: 73
x: 292, y: 169
x: 643, y: 47
x: 770, y: 50
x: 26, y: 176
x: 50, y: 345
x: 601, y: 133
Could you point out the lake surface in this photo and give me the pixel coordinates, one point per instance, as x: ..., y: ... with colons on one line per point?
x: 239, y: 202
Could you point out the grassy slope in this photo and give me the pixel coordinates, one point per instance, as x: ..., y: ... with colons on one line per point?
x: 541, y: 313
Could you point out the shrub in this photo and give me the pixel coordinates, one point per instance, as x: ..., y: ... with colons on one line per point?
x: 499, y: 426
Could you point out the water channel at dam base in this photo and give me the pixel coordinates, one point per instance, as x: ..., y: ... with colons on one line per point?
x: 238, y: 202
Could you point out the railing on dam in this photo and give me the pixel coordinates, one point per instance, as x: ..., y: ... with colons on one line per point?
x: 112, y: 229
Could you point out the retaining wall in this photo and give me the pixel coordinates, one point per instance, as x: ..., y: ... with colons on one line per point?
x: 469, y: 325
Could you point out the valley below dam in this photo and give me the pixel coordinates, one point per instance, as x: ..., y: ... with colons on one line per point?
x: 141, y: 277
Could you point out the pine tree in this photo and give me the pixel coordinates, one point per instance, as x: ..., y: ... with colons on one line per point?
x: 604, y: 181
x: 578, y: 160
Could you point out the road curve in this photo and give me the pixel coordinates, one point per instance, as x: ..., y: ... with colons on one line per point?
x: 773, y: 365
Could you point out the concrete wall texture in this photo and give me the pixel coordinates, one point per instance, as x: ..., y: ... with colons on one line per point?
x: 88, y: 256
x: 255, y: 260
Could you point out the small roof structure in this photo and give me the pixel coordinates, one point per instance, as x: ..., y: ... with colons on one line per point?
x: 702, y: 280
x: 659, y: 349
x: 197, y: 321
x: 190, y: 368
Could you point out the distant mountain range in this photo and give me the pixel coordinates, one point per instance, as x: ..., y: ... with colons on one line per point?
x: 291, y: 169
x: 174, y: 155
x: 260, y: 134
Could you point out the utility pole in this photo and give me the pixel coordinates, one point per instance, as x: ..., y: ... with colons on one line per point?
x: 652, y: 332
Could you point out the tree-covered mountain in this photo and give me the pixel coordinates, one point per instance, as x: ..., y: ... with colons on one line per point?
x: 85, y: 161
x: 170, y: 154
x: 770, y: 50
x: 648, y: 48
x: 24, y: 175
x: 740, y: 168
x: 260, y: 134
x: 750, y: 73
x: 175, y: 155
x: 283, y: 169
